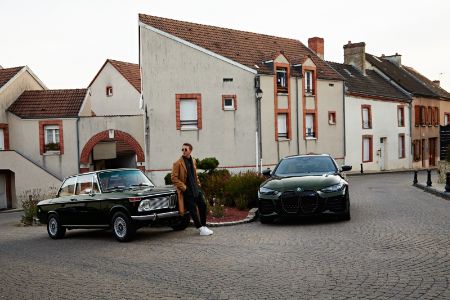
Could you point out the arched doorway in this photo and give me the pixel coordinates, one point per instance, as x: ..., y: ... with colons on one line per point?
x: 112, y: 149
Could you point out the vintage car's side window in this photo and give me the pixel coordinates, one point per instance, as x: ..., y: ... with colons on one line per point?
x: 84, y: 184
x: 95, y: 188
x: 68, y: 187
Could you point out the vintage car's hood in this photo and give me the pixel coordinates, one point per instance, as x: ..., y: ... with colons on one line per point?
x: 307, y: 182
x: 43, y: 202
x: 146, y: 191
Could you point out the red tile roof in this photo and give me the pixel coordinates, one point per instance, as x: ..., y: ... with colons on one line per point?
x: 48, y: 104
x: 7, y: 74
x: 246, y: 48
x: 130, y: 71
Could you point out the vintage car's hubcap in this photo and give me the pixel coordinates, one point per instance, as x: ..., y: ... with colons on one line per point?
x: 120, y: 227
x: 53, y: 226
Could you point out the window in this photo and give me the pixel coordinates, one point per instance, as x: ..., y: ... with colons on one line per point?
x: 401, y: 146
x: 84, y: 184
x: 51, y: 137
x: 332, y: 117
x: 229, y: 102
x: 282, y: 80
x: 446, y: 118
x: 367, y: 148
x: 309, y: 125
x: 366, y: 116
x: 401, y: 116
x: 309, y: 86
x: 436, y: 116
x: 2, y: 139
x: 282, y: 126
x: 109, y: 91
x: 423, y: 115
x: 188, y: 111
x: 68, y: 187
x: 430, y: 116
x: 416, y: 150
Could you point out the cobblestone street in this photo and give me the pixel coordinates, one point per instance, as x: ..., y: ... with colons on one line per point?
x: 396, y: 246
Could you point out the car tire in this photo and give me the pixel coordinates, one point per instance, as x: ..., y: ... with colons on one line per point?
x: 122, y: 227
x: 266, y: 220
x: 54, y: 228
x: 346, y: 216
x: 181, y: 224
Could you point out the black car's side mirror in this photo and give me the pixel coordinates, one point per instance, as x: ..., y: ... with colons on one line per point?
x: 266, y: 172
x: 346, y: 168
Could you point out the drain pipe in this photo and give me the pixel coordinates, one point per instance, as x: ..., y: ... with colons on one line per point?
x: 78, y: 144
x: 296, y: 117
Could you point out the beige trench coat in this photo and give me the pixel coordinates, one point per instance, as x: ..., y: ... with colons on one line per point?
x: 179, y: 179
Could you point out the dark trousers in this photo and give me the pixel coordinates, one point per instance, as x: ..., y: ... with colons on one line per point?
x: 192, y: 204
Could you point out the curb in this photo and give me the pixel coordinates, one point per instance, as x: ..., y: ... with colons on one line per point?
x: 250, y: 218
x: 433, y: 191
x: 356, y: 173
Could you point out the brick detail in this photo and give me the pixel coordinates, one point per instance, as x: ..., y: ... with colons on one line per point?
x: 4, y: 126
x: 58, y: 123
x: 118, y: 136
x: 178, y: 98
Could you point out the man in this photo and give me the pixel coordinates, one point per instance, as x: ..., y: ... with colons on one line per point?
x: 184, y: 177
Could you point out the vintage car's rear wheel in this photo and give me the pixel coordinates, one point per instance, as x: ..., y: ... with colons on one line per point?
x: 182, y: 223
x: 122, y: 226
x: 54, y: 228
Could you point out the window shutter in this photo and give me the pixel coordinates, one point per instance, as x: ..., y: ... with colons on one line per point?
x: 188, y: 112
x: 366, y: 149
x: 417, y: 115
x: 282, y: 128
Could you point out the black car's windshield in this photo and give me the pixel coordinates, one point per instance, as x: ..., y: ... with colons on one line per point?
x: 123, y: 179
x: 304, y: 165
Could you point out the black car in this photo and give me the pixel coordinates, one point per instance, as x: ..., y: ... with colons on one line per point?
x: 121, y: 199
x: 304, y: 185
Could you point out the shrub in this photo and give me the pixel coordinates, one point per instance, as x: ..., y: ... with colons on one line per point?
x: 241, y: 202
x: 243, y: 185
x: 213, y: 184
x: 168, y: 178
x: 30, y: 199
x: 217, y: 208
x: 209, y: 164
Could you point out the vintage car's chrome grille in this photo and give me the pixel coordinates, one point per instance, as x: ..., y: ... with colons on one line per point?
x: 266, y: 206
x: 290, y: 201
x: 309, y: 201
x: 161, y: 202
x: 336, y: 204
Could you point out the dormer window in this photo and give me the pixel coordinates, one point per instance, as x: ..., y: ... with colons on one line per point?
x: 282, y: 80
x: 109, y: 91
x: 309, y: 84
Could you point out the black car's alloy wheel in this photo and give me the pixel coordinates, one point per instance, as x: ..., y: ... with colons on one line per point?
x: 54, y: 228
x: 122, y: 226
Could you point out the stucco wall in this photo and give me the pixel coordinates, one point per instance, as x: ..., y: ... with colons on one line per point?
x: 384, y: 125
x: 125, y: 98
x: 9, y: 93
x: 170, y: 68
x: 27, y: 176
x: 24, y: 137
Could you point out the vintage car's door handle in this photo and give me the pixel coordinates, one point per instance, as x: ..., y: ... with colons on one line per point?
x: 73, y: 199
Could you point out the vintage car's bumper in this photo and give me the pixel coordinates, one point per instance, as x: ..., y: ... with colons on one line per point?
x: 304, y: 204
x: 155, y: 216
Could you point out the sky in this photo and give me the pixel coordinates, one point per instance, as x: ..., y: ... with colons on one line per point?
x: 65, y: 43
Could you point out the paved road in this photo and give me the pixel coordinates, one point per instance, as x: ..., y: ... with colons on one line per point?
x: 397, y: 246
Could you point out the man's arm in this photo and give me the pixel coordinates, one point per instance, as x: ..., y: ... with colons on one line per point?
x: 175, y: 176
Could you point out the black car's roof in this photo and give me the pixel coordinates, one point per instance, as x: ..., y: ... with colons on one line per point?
x: 307, y: 155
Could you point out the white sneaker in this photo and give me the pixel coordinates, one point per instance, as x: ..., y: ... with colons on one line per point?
x: 205, y: 231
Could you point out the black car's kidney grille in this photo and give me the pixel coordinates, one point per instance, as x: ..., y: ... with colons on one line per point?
x: 290, y: 201
x: 309, y: 201
x: 266, y: 206
x: 336, y: 204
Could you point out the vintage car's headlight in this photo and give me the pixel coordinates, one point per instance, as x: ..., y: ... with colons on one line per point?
x: 270, y: 192
x: 144, y: 206
x: 334, y: 188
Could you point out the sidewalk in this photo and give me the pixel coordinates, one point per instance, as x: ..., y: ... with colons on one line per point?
x: 436, y: 188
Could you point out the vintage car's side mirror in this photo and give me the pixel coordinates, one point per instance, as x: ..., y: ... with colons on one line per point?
x: 346, y: 168
x: 266, y: 172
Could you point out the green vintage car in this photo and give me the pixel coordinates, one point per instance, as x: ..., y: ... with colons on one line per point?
x: 121, y: 199
x: 304, y: 185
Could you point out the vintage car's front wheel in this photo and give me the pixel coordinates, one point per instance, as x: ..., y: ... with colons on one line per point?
x: 54, y: 228
x: 122, y: 226
x: 182, y: 223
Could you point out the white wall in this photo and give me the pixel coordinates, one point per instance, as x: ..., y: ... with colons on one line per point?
x: 384, y: 124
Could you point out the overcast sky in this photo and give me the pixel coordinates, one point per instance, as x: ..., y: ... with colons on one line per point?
x: 66, y: 42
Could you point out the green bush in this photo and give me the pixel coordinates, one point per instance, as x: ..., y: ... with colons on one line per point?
x: 213, y: 184
x: 241, y: 202
x: 217, y: 208
x: 244, y: 185
x: 168, y: 178
x: 209, y: 164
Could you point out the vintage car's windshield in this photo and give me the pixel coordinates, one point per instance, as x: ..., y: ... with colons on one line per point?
x: 123, y: 179
x: 305, y: 165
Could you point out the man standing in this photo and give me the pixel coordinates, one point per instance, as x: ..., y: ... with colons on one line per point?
x: 184, y: 177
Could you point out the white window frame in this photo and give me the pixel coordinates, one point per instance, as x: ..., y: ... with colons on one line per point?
x: 56, y: 139
x: 229, y: 107
x: 109, y: 91
x: 366, y: 118
x: 282, y: 77
x: 366, y: 149
x: 445, y: 119
x: 188, y: 114
x: 401, y: 146
x: 309, y: 82
x: 309, y: 124
x: 282, y: 126
x: 2, y: 139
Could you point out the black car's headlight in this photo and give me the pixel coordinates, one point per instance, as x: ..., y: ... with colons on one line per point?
x: 334, y: 188
x: 268, y: 192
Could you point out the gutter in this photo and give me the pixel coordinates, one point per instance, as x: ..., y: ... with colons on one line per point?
x: 343, y: 102
x: 296, y: 117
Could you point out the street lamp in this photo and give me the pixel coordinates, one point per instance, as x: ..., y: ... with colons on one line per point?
x: 259, y: 94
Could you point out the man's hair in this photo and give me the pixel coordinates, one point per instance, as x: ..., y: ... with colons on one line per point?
x: 189, y: 145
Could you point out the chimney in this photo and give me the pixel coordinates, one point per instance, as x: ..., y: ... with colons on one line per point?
x: 355, y: 55
x: 437, y: 82
x: 316, y: 44
x: 395, y: 59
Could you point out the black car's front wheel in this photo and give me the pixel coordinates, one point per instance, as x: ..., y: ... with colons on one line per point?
x: 54, y: 228
x: 122, y: 226
x: 182, y: 223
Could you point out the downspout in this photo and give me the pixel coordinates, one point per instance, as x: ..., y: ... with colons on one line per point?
x: 343, y: 102
x: 411, y: 158
x: 296, y: 116
x: 78, y: 143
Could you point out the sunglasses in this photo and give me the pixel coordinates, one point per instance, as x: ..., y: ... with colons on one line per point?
x: 184, y: 149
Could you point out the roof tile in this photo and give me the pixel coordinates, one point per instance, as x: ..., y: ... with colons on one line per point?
x: 7, y: 74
